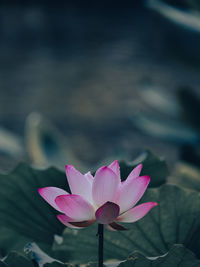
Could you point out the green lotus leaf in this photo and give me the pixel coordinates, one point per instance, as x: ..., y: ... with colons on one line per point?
x: 15, y: 259
x: 21, y: 207
x: 186, y: 175
x: 176, y: 257
x: 10, y: 240
x: 176, y: 220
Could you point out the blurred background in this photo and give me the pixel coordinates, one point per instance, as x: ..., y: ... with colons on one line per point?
x: 86, y: 81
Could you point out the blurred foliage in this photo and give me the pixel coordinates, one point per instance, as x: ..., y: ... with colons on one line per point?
x: 194, y: 4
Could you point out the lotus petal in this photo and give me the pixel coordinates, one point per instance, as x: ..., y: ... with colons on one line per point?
x: 79, y: 184
x: 136, y: 213
x: 131, y: 192
x: 89, y: 177
x: 105, y: 186
x: 76, y: 207
x: 107, y: 213
x: 135, y: 173
x: 50, y: 194
x: 114, y: 166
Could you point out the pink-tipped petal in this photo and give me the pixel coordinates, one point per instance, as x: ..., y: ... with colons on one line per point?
x: 135, y: 173
x: 76, y: 207
x: 107, y: 213
x: 131, y: 192
x: 105, y: 186
x: 136, y: 213
x: 114, y: 166
x: 89, y: 176
x: 65, y: 220
x: 79, y: 184
x: 50, y: 194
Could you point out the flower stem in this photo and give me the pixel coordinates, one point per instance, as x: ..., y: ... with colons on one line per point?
x: 100, y: 234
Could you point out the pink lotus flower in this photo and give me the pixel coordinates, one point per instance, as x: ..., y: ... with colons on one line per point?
x: 102, y: 198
